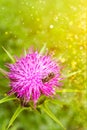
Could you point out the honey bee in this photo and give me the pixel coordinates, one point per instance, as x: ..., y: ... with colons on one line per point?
x: 48, y: 77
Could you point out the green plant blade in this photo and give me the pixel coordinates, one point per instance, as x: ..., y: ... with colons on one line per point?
x: 6, y: 99
x: 25, y: 52
x: 57, y: 102
x: 3, y: 72
x: 69, y: 90
x: 73, y: 73
x: 17, y: 112
x: 9, y: 55
x: 3, y: 127
x: 50, y: 114
x: 43, y: 49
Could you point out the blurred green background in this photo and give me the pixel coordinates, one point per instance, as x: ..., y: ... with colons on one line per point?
x: 62, y: 25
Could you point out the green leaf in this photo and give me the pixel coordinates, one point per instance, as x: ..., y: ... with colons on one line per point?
x: 3, y: 72
x: 4, y: 125
x: 57, y: 102
x: 69, y: 90
x: 25, y: 52
x: 7, y: 98
x: 9, y: 55
x: 17, y: 112
x: 73, y: 73
x: 43, y: 49
x: 49, y: 113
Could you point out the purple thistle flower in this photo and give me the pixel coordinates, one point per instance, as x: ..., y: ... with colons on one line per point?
x: 34, y: 75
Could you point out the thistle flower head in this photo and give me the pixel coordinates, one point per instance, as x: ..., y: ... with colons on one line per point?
x: 34, y: 75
